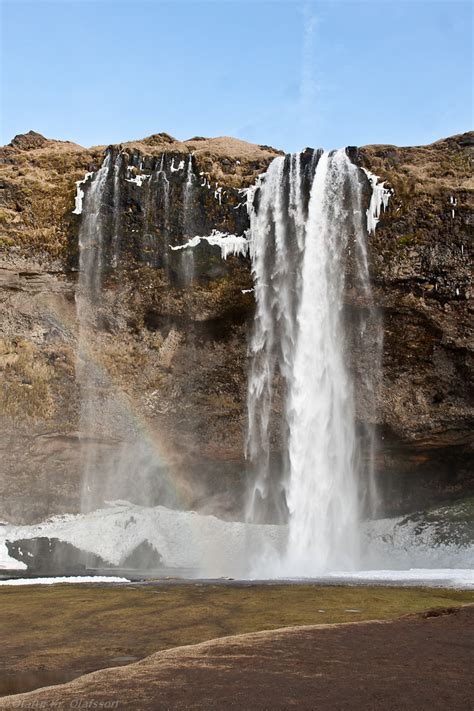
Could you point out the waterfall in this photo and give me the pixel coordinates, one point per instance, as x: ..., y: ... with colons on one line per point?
x: 187, y: 255
x: 119, y: 460
x: 88, y: 299
x: 187, y: 197
x: 90, y: 239
x: 165, y: 183
x: 275, y: 279
x: 166, y: 194
x: 308, y: 232
x: 116, y: 215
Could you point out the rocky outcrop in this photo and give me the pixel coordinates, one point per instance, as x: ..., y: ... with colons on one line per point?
x: 175, y: 345
x: 422, y: 272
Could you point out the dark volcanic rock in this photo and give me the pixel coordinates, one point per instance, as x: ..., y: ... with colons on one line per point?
x: 29, y: 141
x: 50, y: 556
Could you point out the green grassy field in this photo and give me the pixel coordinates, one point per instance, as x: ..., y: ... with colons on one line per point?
x: 84, y: 627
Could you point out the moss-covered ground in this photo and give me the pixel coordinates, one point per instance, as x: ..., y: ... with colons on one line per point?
x: 86, y: 627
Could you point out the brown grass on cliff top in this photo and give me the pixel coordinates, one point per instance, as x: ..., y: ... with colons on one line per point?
x: 220, y: 147
x: 217, y: 148
x: 444, y: 164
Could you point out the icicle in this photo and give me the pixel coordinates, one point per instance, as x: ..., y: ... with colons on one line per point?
x: 80, y: 194
x: 379, y: 198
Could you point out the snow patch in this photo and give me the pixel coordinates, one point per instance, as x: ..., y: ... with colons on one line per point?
x: 174, y: 168
x: 138, y: 179
x: 396, y: 550
x: 229, y: 244
x: 71, y: 579
x: 436, y: 577
x: 204, y: 544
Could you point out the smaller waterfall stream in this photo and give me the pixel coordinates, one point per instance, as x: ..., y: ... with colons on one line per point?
x: 88, y: 297
x: 187, y: 255
x: 90, y: 241
x: 118, y: 458
x: 116, y: 215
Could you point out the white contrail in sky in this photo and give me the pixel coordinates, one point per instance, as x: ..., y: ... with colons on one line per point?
x: 308, y: 90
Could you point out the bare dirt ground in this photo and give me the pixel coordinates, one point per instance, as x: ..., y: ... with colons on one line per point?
x: 417, y: 662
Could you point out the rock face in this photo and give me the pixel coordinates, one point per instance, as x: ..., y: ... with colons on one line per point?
x: 422, y: 272
x: 173, y: 328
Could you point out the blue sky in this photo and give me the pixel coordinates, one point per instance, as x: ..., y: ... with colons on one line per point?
x: 284, y: 73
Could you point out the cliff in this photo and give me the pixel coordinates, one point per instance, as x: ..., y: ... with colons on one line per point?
x: 174, y: 343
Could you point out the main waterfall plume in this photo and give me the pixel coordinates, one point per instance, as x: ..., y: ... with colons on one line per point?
x: 307, y: 237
